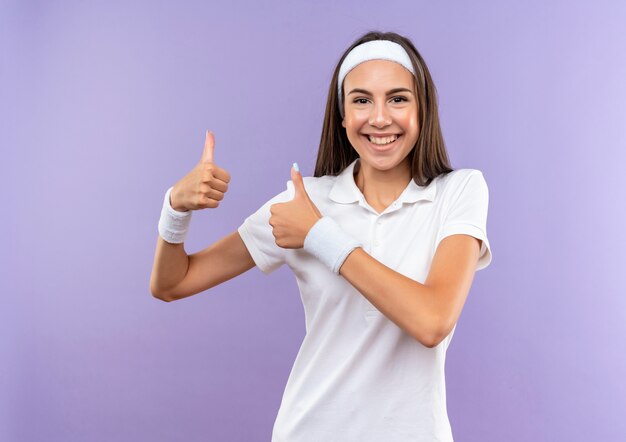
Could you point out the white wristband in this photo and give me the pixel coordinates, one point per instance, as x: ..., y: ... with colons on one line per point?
x: 328, y: 242
x: 173, y: 225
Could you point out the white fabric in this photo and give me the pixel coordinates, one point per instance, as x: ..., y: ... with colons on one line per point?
x: 357, y: 376
x: 372, y: 50
x: 173, y: 225
x: 329, y: 243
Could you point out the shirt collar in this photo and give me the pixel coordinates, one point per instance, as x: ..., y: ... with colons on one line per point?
x: 345, y: 190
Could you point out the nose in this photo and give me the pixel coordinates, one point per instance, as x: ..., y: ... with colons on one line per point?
x: 379, y: 117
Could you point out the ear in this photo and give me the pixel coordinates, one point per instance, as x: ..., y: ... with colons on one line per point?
x: 343, y: 122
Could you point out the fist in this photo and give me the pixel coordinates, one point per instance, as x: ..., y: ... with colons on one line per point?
x: 292, y: 220
x: 203, y: 187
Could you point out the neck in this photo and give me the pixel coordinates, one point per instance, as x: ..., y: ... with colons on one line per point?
x: 382, y: 187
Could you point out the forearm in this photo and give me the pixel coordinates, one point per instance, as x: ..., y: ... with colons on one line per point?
x: 169, y: 268
x: 409, y: 304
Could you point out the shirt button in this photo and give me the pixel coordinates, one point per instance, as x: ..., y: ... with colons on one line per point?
x: 379, y: 222
x: 376, y: 243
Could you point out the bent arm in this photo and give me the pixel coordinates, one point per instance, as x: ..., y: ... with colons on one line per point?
x: 169, y: 268
x: 195, y: 273
x: 427, y: 311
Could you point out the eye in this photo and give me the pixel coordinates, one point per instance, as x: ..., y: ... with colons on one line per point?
x: 363, y: 100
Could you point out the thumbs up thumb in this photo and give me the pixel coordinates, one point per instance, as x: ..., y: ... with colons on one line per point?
x: 298, y: 182
x: 209, y: 143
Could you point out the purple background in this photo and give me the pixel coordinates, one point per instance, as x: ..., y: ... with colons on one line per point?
x: 105, y: 105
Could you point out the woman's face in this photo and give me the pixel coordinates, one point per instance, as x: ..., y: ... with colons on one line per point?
x: 379, y: 100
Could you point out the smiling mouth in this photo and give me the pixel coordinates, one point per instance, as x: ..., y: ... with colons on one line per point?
x: 382, y: 147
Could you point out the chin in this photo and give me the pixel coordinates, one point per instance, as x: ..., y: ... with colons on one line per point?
x: 380, y: 163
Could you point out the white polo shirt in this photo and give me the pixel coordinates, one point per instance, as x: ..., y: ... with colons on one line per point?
x: 358, y: 377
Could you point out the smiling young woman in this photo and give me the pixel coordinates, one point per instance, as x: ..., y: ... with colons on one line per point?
x: 384, y: 241
x: 381, y: 123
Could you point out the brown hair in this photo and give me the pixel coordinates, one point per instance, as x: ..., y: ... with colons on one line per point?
x: 428, y: 158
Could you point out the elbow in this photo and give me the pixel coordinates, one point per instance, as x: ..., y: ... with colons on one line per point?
x: 429, y: 342
x: 433, y: 337
x: 160, y: 295
x: 432, y: 341
x: 442, y: 334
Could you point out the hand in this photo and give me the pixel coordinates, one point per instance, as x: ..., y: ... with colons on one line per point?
x: 291, y: 221
x: 204, y: 186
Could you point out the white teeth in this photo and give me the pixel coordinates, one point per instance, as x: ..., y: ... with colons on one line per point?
x: 385, y: 140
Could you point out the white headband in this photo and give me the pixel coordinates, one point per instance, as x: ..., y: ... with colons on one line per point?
x: 372, y: 50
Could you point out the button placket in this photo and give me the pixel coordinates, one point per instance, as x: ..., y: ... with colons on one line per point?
x: 394, y: 206
x: 378, y: 223
x: 372, y: 314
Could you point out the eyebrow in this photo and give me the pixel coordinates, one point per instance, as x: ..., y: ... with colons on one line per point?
x: 389, y: 92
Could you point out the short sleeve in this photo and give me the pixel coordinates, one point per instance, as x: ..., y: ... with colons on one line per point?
x: 256, y: 233
x: 468, y: 214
